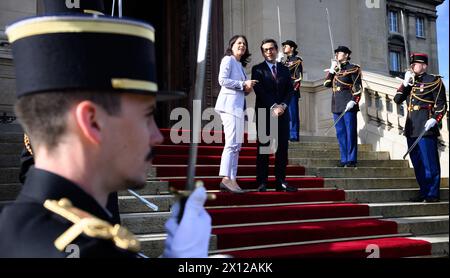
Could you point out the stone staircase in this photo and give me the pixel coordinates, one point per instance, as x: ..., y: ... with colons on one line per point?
x: 335, y: 207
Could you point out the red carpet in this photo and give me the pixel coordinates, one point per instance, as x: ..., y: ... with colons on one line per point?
x: 271, y: 234
x: 285, y: 213
x: 250, y: 183
x: 202, y: 150
x: 256, y: 207
x: 207, y: 138
x: 253, y: 198
x: 389, y: 248
x: 205, y: 159
x: 203, y: 170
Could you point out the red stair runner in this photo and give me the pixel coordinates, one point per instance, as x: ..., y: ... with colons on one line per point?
x: 256, y: 207
x: 270, y: 234
x: 250, y: 183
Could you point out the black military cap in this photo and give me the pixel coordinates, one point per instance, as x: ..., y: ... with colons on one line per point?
x: 344, y: 49
x: 418, y: 58
x: 290, y: 43
x: 60, y: 53
x: 54, y: 7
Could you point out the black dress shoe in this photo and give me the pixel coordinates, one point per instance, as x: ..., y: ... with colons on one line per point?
x: 285, y: 187
x: 351, y: 164
x: 262, y: 187
x: 432, y: 200
x: 226, y: 188
x: 417, y: 199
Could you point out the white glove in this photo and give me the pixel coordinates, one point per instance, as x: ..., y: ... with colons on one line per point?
x: 350, y: 105
x: 408, y: 76
x: 430, y: 123
x: 333, y: 66
x: 189, y: 238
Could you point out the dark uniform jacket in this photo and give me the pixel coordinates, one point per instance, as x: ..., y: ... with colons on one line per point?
x: 425, y: 100
x: 295, y: 65
x: 346, y: 85
x: 28, y: 229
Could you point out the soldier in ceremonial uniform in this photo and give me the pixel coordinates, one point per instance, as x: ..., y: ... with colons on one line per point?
x: 345, y: 80
x: 295, y: 65
x: 55, y: 7
x: 427, y: 104
x: 87, y: 91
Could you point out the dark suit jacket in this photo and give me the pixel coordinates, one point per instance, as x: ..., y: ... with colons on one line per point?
x: 270, y: 91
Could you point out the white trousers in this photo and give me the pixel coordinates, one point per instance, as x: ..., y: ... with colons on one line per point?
x: 233, y: 128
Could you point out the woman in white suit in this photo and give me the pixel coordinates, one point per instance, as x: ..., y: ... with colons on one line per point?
x: 231, y: 105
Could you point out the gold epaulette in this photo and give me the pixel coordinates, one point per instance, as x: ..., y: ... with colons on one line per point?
x: 26, y: 141
x: 91, y: 226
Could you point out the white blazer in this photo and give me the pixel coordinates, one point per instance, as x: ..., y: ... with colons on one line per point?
x: 231, y: 97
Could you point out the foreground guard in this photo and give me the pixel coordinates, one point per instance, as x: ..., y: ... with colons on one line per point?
x: 427, y: 104
x: 91, y: 125
x: 345, y: 80
x: 295, y: 65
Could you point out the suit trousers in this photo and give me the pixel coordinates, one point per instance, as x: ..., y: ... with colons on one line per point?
x: 281, y: 153
x: 233, y: 128
x: 425, y: 159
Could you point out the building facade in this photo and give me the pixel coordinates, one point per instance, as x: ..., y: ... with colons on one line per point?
x: 375, y: 30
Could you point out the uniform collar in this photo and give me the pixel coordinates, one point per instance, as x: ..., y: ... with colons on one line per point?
x: 42, y: 185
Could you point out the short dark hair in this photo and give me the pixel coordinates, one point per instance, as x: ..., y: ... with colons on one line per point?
x: 245, y: 58
x: 269, y: 41
x: 43, y: 115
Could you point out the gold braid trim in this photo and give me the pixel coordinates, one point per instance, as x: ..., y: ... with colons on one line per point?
x: 85, y: 223
x: 26, y: 141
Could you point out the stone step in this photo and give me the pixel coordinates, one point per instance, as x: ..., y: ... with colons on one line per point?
x: 312, y: 162
x: 145, y: 222
x: 422, y: 225
x: 373, y: 183
x: 10, y: 191
x: 360, y: 172
x: 327, y: 146
x: 129, y: 204
x: 153, y: 187
x: 153, y: 222
x: 404, y: 209
x: 439, y: 243
x: 152, y: 245
x: 11, y: 137
x: 386, y: 195
x: 9, y: 175
x: 11, y: 148
x: 334, y: 154
x: 324, y: 139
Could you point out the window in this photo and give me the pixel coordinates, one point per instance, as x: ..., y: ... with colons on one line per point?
x: 394, y: 61
x: 393, y: 21
x: 420, y: 32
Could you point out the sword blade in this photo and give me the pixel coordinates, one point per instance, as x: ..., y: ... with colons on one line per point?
x: 198, y: 96
x: 335, y: 122
x: 329, y: 31
x: 415, y: 143
x: 143, y: 200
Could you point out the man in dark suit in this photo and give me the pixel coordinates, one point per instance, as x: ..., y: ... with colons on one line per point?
x: 273, y: 91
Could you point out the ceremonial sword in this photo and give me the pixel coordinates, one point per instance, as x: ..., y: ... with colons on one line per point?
x: 415, y: 142
x: 198, y: 96
x: 336, y: 121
